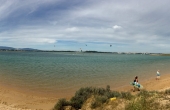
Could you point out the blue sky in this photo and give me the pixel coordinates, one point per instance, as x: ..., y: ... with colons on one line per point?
x: 127, y: 25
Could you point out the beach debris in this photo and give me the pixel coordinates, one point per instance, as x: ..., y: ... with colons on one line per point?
x: 112, y: 99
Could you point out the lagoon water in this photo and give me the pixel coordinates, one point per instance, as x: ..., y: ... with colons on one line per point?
x: 60, y: 74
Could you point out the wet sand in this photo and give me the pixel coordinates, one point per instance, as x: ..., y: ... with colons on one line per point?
x: 15, y: 100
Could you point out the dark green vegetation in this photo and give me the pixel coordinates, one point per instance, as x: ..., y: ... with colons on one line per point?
x: 165, y: 54
x: 100, y: 96
x: 92, y: 98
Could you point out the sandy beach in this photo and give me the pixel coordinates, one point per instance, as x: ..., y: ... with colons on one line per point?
x: 15, y: 100
x: 151, y: 84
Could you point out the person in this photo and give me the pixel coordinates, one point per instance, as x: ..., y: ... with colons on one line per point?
x: 157, y: 75
x: 135, y: 82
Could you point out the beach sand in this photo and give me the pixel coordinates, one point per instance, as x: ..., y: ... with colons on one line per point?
x: 151, y: 84
x: 15, y: 100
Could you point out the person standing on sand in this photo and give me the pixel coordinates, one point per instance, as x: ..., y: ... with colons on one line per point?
x: 136, y: 83
x: 136, y: 80
x: 157, y: 75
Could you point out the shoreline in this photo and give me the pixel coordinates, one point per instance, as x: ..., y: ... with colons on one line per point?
x: 15, y: 100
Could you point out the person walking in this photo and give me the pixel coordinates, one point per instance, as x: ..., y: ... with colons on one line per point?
x: 136, y: 84
x: 136, y: 80
x: 157, y: 75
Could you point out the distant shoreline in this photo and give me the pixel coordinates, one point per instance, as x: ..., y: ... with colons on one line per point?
x: 35, y: 50
x: 4, y: 48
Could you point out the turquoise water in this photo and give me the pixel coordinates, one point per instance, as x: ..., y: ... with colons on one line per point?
x: 58, y: 74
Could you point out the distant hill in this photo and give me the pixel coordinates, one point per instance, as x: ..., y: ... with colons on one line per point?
x: 6, y: 48
x: 27, y: 49
x: 22, y: 49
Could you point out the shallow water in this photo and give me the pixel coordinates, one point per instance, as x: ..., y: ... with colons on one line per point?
x: 60, y: 74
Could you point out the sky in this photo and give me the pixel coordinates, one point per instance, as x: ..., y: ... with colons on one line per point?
x: 88, y: 25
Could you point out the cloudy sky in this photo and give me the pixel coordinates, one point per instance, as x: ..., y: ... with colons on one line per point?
x: 127, y: 25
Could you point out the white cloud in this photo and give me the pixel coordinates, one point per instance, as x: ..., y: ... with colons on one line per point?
x: 162, y: 45
x: 37, y: 40
x: 5, y: 9
x: 44, y: 40
x: 116, y: 27
x: 72, y: 29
